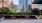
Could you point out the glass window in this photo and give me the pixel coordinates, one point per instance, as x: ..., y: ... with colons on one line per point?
x: 40, y: 6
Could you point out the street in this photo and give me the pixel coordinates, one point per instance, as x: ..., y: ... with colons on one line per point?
x: 23, y: 21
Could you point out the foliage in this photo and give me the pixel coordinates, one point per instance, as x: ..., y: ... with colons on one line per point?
x: 35, y: 11
x: 21, y: 14
x: 40, y: 12
x: 12, y: 9
x: 40, y: 16
x: 4, y: 10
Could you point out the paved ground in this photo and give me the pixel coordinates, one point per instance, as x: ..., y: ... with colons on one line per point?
x: 23, y: 21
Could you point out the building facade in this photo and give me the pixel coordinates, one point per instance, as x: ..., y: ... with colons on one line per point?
x: 34, y: 5
x: 38, y: 6
x: 24, y: 4
x: 0, y: 3
x: 4, y: 3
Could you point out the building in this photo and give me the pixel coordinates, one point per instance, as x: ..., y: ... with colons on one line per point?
x: 5, y: 3
x: 24, y: 4
x: 35, y: 4
x: 0, y: 3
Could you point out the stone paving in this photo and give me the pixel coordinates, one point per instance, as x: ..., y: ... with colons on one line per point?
x: 23, y: 21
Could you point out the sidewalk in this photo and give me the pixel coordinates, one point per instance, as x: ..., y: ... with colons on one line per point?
x: 23, y: 21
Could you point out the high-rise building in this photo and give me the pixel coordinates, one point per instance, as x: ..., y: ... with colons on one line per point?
x: 5, y: 3
x: 0, y: 3
x: 24, y: 4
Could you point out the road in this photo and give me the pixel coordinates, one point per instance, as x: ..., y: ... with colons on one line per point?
x: 23, y: 21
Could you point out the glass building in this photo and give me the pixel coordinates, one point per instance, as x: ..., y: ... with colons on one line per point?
x: 24, y: 4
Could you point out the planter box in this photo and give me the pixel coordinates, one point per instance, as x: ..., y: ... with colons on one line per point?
x: 27, y: 17
x: 12, y: 16
x: 7, y: 16
x: 19, y: 16
x: 33, y: 17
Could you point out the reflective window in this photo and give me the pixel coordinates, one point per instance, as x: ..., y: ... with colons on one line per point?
x: 40, y: 6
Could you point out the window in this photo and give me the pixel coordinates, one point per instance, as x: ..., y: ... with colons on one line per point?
x: 40, y: 6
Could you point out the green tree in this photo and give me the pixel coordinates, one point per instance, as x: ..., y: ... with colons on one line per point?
x: 35, y: 11
x: 4, y: 10
x: 40, y: 12
x: 12, y: 9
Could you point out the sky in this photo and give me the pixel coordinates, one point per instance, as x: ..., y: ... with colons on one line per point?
x: 16, y: 2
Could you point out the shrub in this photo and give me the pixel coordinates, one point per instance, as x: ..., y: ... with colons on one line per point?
x: 40, y: 16
x: 40, y: 12
x: 4, y: 10
x: 35, y: 11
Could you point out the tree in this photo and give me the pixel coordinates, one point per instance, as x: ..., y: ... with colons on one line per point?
x: 12, y: 9
x: 35, y: 11
x: 4, y: 10
x: 40, y: 12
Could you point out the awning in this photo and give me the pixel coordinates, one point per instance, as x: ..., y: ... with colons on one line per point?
x: 40, y: 2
